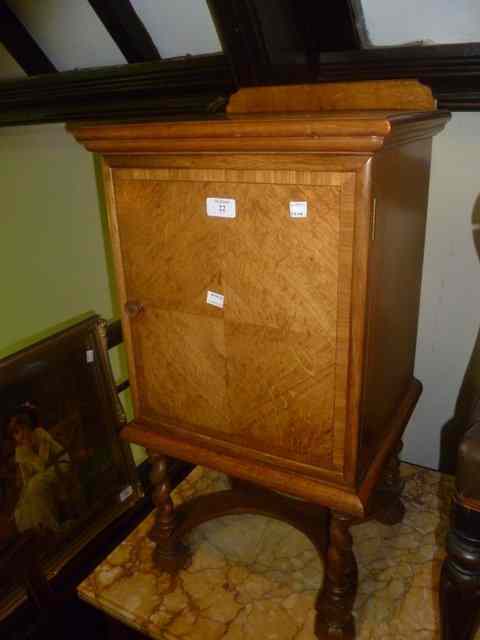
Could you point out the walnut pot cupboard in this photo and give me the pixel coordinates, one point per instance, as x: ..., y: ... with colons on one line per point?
x: 302, y: 382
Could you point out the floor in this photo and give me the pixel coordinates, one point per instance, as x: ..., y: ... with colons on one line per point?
x: 252, y: 577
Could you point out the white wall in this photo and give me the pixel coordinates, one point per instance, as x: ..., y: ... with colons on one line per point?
x: 450, y: 300
x: 392, y: 22
x: 52, y: 256
x: 179, y: 27
x: 72, y: 36
x: 9, y: 69
x: 69, y: 33
x: 53, y: 262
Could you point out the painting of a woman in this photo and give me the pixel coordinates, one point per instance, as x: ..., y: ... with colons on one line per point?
x: 41, y: 461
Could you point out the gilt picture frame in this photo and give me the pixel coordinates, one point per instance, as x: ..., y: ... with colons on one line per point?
x: 65, y: 474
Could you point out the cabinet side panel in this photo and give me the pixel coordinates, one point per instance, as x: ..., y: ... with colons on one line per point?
x: 400, y: 188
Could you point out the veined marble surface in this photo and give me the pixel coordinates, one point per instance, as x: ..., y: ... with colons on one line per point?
x: 252, y: 577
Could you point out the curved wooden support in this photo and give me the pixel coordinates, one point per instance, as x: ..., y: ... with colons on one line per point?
x: 335, y: 602
x: 308, y: 518
x: 172, y: 525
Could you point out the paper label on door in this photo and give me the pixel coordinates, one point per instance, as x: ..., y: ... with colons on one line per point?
x: 216, y: 299
x: 298, y: 209
x: 221, y: 207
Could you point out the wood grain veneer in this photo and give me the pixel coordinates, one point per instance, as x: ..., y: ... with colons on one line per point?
x: 383, y: 94
x: 395, y: 269
x: 197, y: 363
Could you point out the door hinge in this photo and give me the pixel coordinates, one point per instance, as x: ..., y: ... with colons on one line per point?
x: 374, y: 218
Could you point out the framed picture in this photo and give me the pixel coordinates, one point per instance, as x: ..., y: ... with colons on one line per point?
x: 64, y: 472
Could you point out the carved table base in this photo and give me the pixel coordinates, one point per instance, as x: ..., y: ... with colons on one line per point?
x: 328, y: 531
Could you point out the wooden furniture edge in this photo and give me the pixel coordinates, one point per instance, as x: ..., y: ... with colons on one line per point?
x: 362, y: 200
x: 354, y: 132
x: 276, y: 479
x: 320, y: 491
x: 467, y: 503
x: 396, y: 428
x: 374, y: 94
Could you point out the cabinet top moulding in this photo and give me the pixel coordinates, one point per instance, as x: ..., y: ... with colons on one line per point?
x: 339, y: 131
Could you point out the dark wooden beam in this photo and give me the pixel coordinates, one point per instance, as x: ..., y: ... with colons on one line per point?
x: 242, y: 36
x: 127, y: 30
x: 322, y: 27
x: 20, y: 44
x: 193, y: 86
x: 200, y: 85
x: 451, y: 70
x: 262, y: 36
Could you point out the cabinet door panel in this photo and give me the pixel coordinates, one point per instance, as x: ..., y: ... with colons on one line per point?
x: 281, y: 271
x: 281, y: 390
x: 261, y: 371
x: 181, y: 367
x: 172, y: 252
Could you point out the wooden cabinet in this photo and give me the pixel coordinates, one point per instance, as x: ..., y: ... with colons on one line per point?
x: 300, y: 377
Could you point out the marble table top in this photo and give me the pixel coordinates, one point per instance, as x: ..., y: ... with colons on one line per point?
x: 252, y: 577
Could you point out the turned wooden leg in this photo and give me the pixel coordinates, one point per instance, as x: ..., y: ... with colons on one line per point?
x: 335, y: 602
x: 388, y: 495
x: 170, y: 554
x: 460, y: 579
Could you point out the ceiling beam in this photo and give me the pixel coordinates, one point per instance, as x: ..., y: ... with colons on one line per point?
x: 127, y: 30
x: 320, y: 30
x: 452, y: 71
x: 20, y: 44
x: 197, y: 86
x: 243, y: 40
x: 192, y: 86
x: 261, y: 37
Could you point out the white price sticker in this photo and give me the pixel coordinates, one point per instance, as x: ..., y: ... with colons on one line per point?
x: 216, y: 299
x: 298, y: 209
x: 221, y: 207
